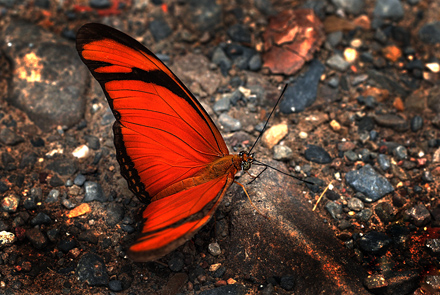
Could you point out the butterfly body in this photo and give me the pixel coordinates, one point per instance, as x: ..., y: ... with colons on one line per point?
x: 169, y: 149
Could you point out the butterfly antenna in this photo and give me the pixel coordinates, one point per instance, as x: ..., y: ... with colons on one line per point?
x: 256, y: 162
x: 267, y: 121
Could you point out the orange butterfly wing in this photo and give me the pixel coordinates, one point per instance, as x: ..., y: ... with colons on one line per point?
x: 163, y: 136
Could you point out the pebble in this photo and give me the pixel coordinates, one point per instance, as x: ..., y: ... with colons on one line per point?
x: 367, y: 181
x: 375, y: 282
x: 176, y: 263
x: 430, y: 33
x: 223, y: 104
x: 374, y: 242
x: 287, y: 283
x: 229, y: 124
x: 115, y: 214
x: 364, y: 215
x: 302, y: 93
x: 282, y: 153
x: 92, y: 142
x: 337, y: 62
x: 10, y: 203
x: 219, y: 273
x: 220, y: 58
x: 79, y: 180
x: 317, y: 154
x: 55, y: 181
x: 274, y: 134
x: 100, y: 4
x: 62, y: 166
x: 334, y: 209
x: 214, y: 249
x: 66, y: 245
x: 115, y: 285
x: 160, y: 29
x: 53, y: 196
x: 93, y: 192
x: 366, y: 123
x: 91, y: 269
x: 255, y: 62
x: 419, y: 215
x: 391, y: 9
x: 385, y: 212
x: 427, y: 176
x: 3, y: 187
x: 400, y: 152
x: 239, y: 33
x: 355, y: 204
x: 384, y: 162
x: 9, y: 137
x: 28, y: 159
x: 36, y: 237
x: 40, y: 219
x: 6, y: 238
x: 432, y: 244
x: 416, y: 123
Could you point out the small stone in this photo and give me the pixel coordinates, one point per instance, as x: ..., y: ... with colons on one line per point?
x: 317, y: 154
x: 9, y: 137
x: 93, y: 192
x: 223, y: 104
x: 334, y: 209
x: 391, y: 9
x: 40, y: 219
x: 282, y: 153
x: 337, y: 62
x: 374, y: 242
x: 160, y: 29
x: 55, y: 181
x: 229, y: 124
x: 274, y: 134
x: 92, y: 142
x: 6, y: 238
x: 115, y: 213
x: 416, y: 123
x: 400, y: 152
x: 91, y: 269
x: 176, y: 263
x: 355, y: 204
x: 214, y: 249
x: 384, y: 162
x: 66, y: 246
x: 375, y: 282
x: 36, y: 237
x: 367, y: 181
x: 432, y: 244
x: 287, y: 283
x: 420, y: 215
x: 364, y: 215
x: 53, y: 196
x: 115, y: 285
x: 10, y: 203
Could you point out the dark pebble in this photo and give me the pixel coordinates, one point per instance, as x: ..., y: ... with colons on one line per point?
x: 287, y: 283
x: 364, y: 215
x: 16, y: 179
x: 390, y: 9
x: 62, y: 166
x: 351, y: 6
x: 36, y: 237
x: 219, y: 58
x: 91, y: 269
x: 223, y: 290
x: 3, y: 187
x: 392, y: 121
x: 100, y: 4
x: 67, y: 204
x: 92, y: 142
x: 219, y: 273
x: 255, y: 62
x: 430, y: 33
x: 351, y: 156
x: 374, y: 242
x: 55, y: 181
x: 115, y: 213
x: 403, y: 282
x: 427, y: 176
x: 376, y: 283
x: 66, y: 246
x: 239, y: 33
x: 53, y: 196
x: 160, y: 29
x: 41, y: 218
x: 365, y: 124
x: 400, y: 234
x: 8, y: 162
x: 400, y: 152
x: 433, y: 245
x: 317, y: 154
x: 302, y: 93
x: 90, y: 236
x: 367, y: 181
x: 344, y: 224
x: 29, y: 203
x: 176, y: 262
x: 79, y: 180
x: 115, y: 285
x: 334, y: 209
x: 419, y: 215
x: 223, y: 104
x: 93, y: 192
x: 384, y: 162
x: 128, y: 228
x: 52, y: 234
x: 9, y: 137
x: 28, y: 159
x: 385, y: 212
x: 355, y: 204
x: 37, y: 142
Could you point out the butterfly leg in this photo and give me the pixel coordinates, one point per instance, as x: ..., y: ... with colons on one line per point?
x: 261, y: 213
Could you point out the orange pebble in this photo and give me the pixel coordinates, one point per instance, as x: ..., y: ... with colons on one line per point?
x: 82, y: 209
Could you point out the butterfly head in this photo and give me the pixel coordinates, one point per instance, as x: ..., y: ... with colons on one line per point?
x: 246, y: 160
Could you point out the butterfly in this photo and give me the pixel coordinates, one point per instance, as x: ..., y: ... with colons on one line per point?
x: 169, y: 149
